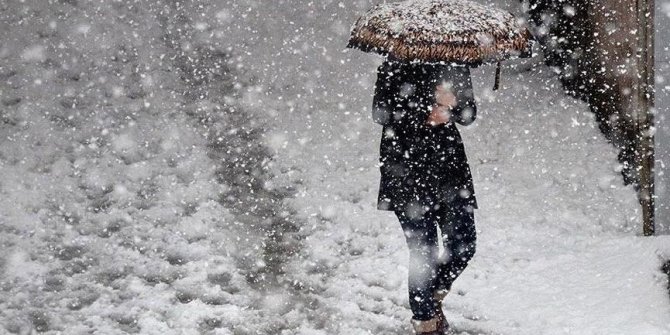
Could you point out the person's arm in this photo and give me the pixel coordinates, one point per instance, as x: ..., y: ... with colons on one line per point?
x: 465, y: 111
x: 445, y: 101
x: 454, y: 99
x: 383, y: 98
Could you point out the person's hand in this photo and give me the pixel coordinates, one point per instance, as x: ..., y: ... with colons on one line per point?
x: 445, y: 96
x: 438, y: 115
x: 445, y: 100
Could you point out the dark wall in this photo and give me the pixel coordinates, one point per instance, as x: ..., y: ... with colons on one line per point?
x: 591, y: 44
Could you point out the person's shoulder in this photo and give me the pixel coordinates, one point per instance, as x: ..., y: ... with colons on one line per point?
x: 452, y: 72
x: 454, y: 67
x: 390, y: 69
x: 390, y: 64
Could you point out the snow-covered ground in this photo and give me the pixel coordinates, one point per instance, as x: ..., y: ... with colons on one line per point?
x: 132, y: 197
x: 136, y: 197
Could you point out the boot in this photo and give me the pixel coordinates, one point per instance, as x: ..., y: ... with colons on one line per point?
x: 443, y: 325
x: 427, y: 327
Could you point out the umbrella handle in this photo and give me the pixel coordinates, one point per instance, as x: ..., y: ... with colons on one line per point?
x: 496, y: 84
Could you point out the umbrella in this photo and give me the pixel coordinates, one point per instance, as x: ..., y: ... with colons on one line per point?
x: 452, y: 31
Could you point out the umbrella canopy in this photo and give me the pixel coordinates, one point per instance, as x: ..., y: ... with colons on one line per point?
x: 457, y: 31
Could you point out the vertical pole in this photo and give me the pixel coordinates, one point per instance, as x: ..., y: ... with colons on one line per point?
x: 645, y: 113
x: 496, y: 84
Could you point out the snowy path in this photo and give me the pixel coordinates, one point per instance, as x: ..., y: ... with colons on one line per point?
x: 134, y: 196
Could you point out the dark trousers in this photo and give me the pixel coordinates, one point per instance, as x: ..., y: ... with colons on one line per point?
x: 427, y: 270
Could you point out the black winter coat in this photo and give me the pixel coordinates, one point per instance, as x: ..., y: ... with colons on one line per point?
x: 422, y: 166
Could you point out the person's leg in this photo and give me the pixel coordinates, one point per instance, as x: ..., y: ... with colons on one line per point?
x: 457, y: 224
x: 421, y: 236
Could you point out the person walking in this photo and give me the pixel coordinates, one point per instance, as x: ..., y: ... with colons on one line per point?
x: 423, y: 90
x: 425, y: 176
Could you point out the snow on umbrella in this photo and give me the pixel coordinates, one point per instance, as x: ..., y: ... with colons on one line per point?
x: 441, y: 31
x: 454, y: 31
